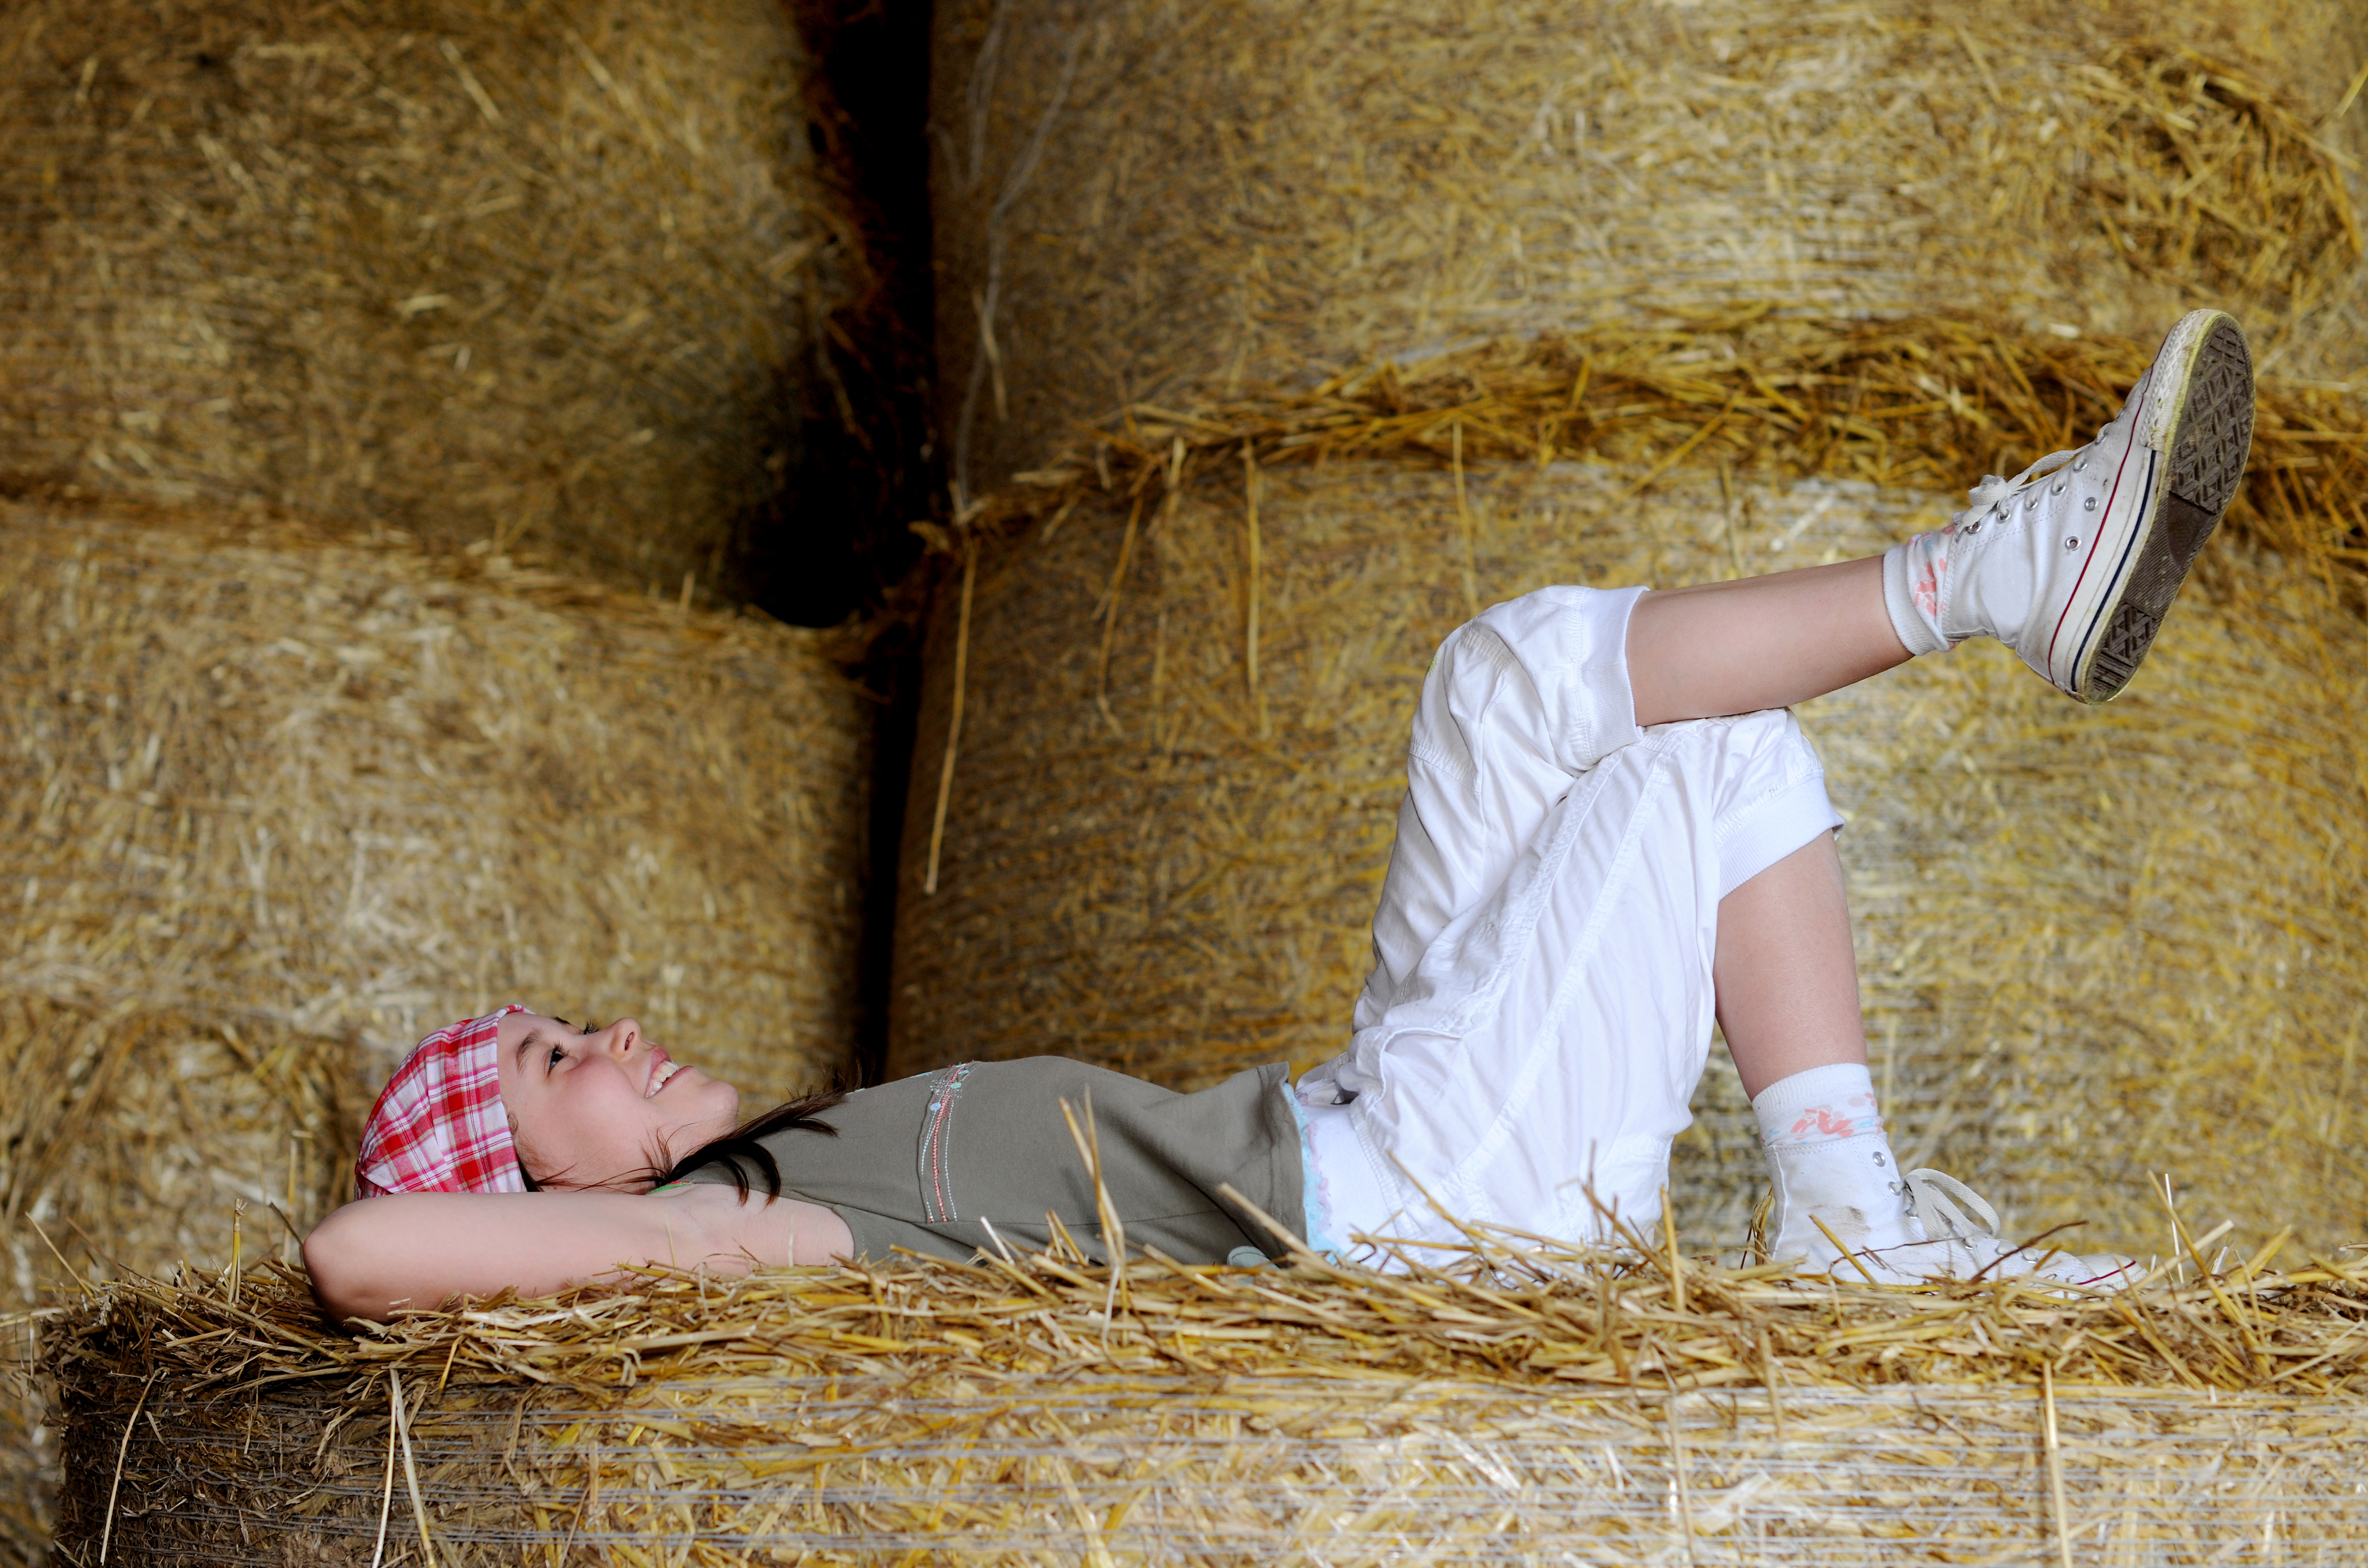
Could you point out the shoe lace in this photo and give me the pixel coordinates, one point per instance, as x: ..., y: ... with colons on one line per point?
x: 1935, y: 1196
x: 1993, y: 490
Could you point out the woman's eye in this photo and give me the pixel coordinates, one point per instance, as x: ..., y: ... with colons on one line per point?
x: 558, y: 1054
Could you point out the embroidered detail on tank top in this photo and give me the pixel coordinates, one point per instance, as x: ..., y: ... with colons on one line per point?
x: 938, y: 1145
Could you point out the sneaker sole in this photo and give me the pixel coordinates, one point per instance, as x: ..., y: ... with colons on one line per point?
x: 2201, y: 418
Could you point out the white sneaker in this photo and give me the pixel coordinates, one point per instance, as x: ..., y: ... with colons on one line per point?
x: 1837, y: 1189
x: 2074, y: 562
x: 1954, y: 1245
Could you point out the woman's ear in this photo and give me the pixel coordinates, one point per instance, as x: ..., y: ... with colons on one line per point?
x: 517, y: 1151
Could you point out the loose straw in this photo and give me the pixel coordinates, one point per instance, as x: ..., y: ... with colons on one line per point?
x: 1681, y: 454
x: 1463, y: 523
x: 2056, y: 1464
x: 107, y: 1534
x: 1110, y: 617
x: 237, y: 1260
x: 1677, y: 1264
x: 1250, y: 642
x: 1678, y: 1444
x: 386, y: 1498
x: 410, y: 1469
x: 953, y: 723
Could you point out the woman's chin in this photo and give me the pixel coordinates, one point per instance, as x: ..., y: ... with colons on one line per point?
x: 708, y: 1106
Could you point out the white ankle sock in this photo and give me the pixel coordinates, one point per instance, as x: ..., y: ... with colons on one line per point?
x: 1830, y: 1161
x: 1833, y: 1101
x: 1911, y: 592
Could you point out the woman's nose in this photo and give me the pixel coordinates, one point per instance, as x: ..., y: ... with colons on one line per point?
x: 623, y: 1036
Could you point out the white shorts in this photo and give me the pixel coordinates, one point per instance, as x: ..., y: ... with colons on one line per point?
x: 1541, y: 1005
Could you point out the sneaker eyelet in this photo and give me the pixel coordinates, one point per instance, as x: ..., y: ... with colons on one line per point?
x: 2072, y: 542
x: 2058, y: 488
x: 2090, y: 504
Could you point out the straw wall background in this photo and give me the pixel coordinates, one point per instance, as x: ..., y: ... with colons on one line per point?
x: 276, y: 808
x: 551, y: 272
x: 1152, y: 859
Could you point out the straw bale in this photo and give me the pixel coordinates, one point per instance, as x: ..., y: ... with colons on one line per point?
x: 1136, y: 203
x: 1579, y: 1407
x: 281, y: 807
x: 549, y: 272
x: 2148, y: 913
x: 276, y: 808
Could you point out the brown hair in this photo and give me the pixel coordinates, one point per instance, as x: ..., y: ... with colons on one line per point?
x: 746, y: 1142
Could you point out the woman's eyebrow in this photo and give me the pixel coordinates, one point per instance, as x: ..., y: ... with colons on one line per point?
x: 533, y: 1036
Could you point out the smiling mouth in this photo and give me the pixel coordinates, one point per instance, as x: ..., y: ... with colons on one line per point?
x: 661, y: 1077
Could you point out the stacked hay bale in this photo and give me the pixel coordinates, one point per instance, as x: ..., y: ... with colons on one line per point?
x: 998, y: 1414
x: 386, y: 394
x: 1140, y: 208
x: 1160, y: 749
x: 548, y: 272
x: 276, y: 807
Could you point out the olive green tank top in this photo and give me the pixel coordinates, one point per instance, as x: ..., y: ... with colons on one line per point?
x: 927, y: 1163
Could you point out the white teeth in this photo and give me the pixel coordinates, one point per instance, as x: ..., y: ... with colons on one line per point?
x: 659, y: 1079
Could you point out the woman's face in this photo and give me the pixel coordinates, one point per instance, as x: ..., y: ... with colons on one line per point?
x: 589, y: 1108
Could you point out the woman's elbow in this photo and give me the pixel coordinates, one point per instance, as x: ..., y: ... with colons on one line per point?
x: 337, y: 1257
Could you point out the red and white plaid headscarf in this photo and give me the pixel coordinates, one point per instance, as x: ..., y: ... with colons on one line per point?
x: 439, y: 1125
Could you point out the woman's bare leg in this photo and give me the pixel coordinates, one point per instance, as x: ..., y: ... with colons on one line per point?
x: 1787, y: 997
x: 1783, y: 974
x: 1785, y: 978
x: 1737, y: 647
x: 2079, y: 593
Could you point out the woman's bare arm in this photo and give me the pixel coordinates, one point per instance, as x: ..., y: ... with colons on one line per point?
x: 421, y: 1249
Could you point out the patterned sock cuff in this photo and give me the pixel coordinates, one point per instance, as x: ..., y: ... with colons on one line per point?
x: 1833, y: 1101
x: 1918, y: 631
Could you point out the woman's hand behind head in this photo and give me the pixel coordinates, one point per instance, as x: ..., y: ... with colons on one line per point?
x: 603, y: 1108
